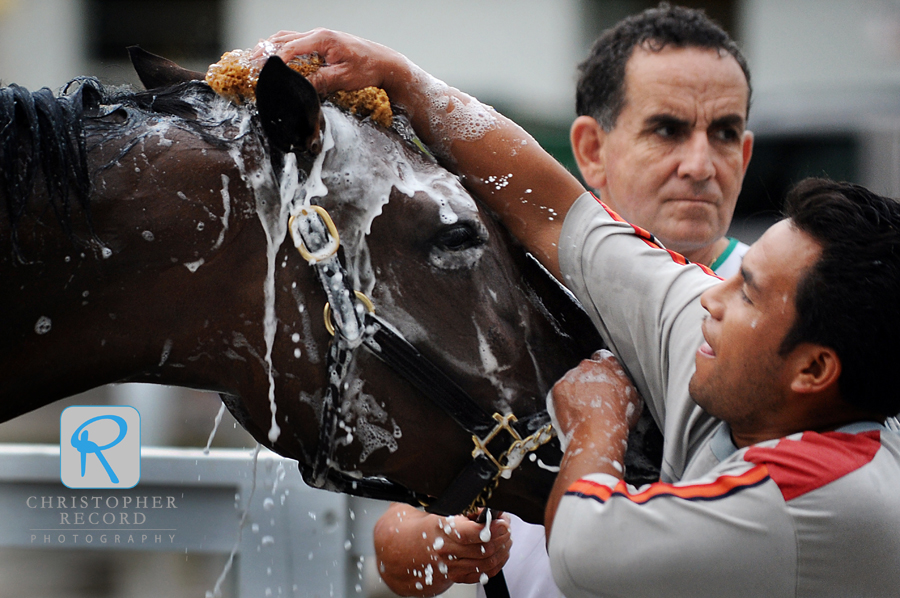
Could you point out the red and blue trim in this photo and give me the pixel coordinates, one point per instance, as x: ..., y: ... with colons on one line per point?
x: 651, y: 240
x: 720, y: 488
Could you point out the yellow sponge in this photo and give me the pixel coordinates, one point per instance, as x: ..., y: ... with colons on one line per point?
x: 235, y: 77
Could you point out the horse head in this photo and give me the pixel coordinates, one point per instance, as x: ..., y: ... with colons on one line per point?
x: 446, y: 338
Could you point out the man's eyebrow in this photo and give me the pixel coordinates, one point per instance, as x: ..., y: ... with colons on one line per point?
x: 749, y: 280
x: 658, y: 120
x: 729, y: 120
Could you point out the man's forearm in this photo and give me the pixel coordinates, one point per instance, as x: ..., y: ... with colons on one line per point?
x: 594, y: 407
x: 498, y: 161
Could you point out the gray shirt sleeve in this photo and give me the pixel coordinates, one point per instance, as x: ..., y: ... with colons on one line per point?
x: 645, y: 302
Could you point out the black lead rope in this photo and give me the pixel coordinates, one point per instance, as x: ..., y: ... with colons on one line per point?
x: 496, y: 586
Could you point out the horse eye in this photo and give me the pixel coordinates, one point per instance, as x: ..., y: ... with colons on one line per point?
x: 457, y: 238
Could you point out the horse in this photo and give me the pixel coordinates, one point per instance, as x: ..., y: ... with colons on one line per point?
x: 170, y: 236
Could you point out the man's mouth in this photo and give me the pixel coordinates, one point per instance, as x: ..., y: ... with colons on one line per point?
x: 695, y: 200
x: 705, y: 349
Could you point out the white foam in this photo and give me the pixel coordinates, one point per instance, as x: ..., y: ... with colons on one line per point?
x: 485, y: 534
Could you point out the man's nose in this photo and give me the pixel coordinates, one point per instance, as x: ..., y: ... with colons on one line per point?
x: 711, y: 300
x: 696, y: 162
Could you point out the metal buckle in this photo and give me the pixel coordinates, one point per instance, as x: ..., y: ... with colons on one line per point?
x: 519, y: 446
x: 326, y: 313
x: 503, y: 423
x: 331, y: 248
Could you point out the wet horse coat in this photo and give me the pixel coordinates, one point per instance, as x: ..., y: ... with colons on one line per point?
x: 175, y: 266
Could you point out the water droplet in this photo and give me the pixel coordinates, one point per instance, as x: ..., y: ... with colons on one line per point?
x: 268, y: 504
x: 148, y: 236
x: 201, y: 226
x: 43, y: 325
x: 268, y: 540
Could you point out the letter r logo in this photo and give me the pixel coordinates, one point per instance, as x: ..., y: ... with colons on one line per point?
x: 100, y: 446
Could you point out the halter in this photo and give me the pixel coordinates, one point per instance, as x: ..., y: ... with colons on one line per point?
x: 501, y: 441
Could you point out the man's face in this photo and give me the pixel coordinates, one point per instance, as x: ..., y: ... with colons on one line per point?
x: 676, y: 158
x: 740, y: 376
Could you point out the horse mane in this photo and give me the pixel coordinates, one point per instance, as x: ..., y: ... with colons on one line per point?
x: 41, y: 133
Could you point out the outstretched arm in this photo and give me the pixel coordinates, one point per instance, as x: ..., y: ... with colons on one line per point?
x: 420, y: 554
x: 497, y: 160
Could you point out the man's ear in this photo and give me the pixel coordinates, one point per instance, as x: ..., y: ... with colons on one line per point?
x: 587, y: 138
x: 817, y: 369
x: 747, y: 148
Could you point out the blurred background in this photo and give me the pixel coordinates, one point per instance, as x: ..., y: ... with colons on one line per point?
x: 826, y: 77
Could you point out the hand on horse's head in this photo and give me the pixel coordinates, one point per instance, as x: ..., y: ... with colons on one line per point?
x: 351, y: 62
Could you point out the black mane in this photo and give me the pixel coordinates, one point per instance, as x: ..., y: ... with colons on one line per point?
x: 41, y: 133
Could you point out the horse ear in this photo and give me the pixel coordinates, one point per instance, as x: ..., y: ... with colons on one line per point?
x: 90, y: 98
x: 288, y: 107
x: 155, y: 71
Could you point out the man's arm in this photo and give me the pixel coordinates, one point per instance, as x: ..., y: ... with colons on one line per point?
x: 725, y: 534
x: 497, y: 160
x: 423, y: 555
x: 594, y: 407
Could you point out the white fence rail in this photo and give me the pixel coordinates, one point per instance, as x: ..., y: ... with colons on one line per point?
x: 288, y: 539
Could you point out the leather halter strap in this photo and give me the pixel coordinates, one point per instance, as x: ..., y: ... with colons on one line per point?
x: 500, y: 441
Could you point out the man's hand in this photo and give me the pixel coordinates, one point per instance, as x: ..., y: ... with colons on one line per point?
x: 420, y: 554
x: 595, y: 406
x: 350, y: 62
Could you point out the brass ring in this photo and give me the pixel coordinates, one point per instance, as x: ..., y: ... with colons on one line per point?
x: 367, y: 303
x: 329, y: 224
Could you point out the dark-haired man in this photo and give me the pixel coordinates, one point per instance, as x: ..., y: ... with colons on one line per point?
x: 774, y: 388
x: 663, y: 99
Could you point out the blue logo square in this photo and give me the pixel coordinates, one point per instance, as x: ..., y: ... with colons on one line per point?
x: 100, y: 446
